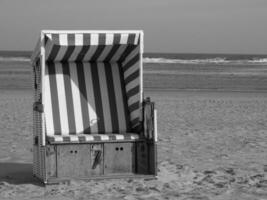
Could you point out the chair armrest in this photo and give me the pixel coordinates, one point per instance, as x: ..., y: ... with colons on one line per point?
x: 150, y: 120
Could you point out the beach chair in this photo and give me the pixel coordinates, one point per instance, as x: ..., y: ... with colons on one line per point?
x: 90, y: 118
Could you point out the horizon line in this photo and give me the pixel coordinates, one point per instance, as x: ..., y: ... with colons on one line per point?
x: 28, y: 53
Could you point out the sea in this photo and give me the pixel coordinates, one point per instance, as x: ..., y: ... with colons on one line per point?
x: 165, y: 71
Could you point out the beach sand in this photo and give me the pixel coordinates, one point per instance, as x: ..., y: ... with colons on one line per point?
x: 212, y: 145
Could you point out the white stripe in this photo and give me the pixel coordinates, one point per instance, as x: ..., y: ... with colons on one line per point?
x: 94, y: 39
x: 141, y: 64
x: 136, y: 38
x: 48, y: 105
x: 108, y: 47
x: 76, y: 98
x: 74, y: 138
x: 63, y: 39
x: 62, y: 99
x: 124, y: 38
x: 155, y: 126
x: 58, y: 138
x: 78, y: 47
x: 131, y: 70
x: 119, y: 97
x: 90, y: 97
x: 42, y: 88
x: 63, y: 42
x: 109, y: 38
x: 78, y: 39
x: 88, y: 137
x: 119, y: 137
x: 104, y: 96
x: 132, y: 84
x: 104, y: 137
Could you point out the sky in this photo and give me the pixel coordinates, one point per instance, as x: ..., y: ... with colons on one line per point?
x: 178, y: 26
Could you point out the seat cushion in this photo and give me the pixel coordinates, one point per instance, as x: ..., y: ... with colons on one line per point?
x: 89, y: 138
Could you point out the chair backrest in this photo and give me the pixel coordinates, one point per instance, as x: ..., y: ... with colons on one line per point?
x: 92, y: 82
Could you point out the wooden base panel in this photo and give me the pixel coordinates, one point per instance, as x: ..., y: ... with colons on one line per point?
x: 99, y: 161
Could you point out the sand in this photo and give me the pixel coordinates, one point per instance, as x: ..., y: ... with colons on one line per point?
x: 212, y: 145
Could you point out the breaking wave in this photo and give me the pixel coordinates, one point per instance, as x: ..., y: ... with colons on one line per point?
x: 218, y: 60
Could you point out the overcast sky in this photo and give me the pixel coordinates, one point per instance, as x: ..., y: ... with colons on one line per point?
x: 181, y: 26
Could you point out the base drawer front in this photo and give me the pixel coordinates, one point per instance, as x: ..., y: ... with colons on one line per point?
x: 119, y: 158
x: 79, y: 160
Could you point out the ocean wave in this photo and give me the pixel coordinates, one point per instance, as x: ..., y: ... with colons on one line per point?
x: 14, y: 59
x: 217, y: 60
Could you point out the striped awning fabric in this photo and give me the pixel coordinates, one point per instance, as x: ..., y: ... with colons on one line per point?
x: 92, y: 83
x: 87, y: 138
x: 93, y: 47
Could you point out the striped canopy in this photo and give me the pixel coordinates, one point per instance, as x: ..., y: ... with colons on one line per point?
x: 92, y: 81
x: 93, y: 47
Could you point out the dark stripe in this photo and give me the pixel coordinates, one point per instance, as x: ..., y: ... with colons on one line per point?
x: 70, y: 48
x: 133, y: 91
x: 116, y: 38
x: 131, y: 38
x: 115, y: 47
x: 102, y: 39
x: 85, y: 48
x: 134, y: 106
x: 112, y: 52
x: 81, y: 138
x: 112, y: 98
x: 125, y: 104
x: 131, y: 62
x: 135, y: 121
x: 97, y: 138
x: 54, y: 98
x: 46, y: 39
x: 132, y: 76
x: 82, y: 53
x: 71, y: 39
x: 51, y: 139
x: 127, y: 137
x: 87, y: 39
x: 83, y: 97
x: 127, y: 52
x: 112, y: 137
x: 101, y: 46
x: 69, y: 99
x: 66, y: 138
x: 55, y: 48
x: 98, y: 99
